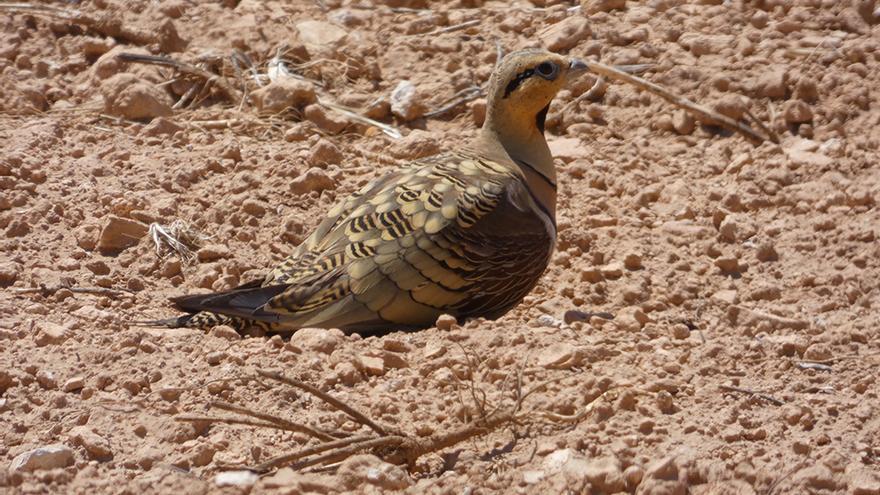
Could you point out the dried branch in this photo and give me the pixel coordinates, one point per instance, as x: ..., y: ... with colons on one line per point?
x: 209, y: 78
x: 704, y: 113
x: 760, y: 395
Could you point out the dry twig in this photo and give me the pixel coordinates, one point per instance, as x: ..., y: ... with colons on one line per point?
x: 704, y: 113
x: 393, y: 446
x: 760, y: 395
x: 209, y: 78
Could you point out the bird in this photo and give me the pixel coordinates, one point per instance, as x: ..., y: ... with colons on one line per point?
x: 467, y: 232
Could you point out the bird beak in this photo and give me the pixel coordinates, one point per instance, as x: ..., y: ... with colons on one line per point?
x: 576, y: 66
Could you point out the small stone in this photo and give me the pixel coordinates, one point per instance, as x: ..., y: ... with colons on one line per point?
x: 371, y: 365
x: 240, y: 478
x: 631, y: 319
x: 320, y: 37
x: 48, y: 457
x: 633, y: 476
x: 861, y: 481
x: 680, y: 331
x: 533, y: 476
x: 766, y: 252
x: 120, y: 233
x: 725, y: 297
x: 368, y: 468
x: 816, y: 476
x: 819, y: 351
x: 772, y: 84
x: 478, y: 111
x: 603, y: 473
x: 127, y: 96
x: 732, y: 106
x: 632, y: 261
x: 417, y: 144
x: 683, y: 122
x: 566, y: 34
x: 406, y: 102
x: 446, y: 322
x: 331, y: 122
x: 559, y: 356
x: 727, y: 264
x: 589, y: 7
x: 95, y: 445
x: 169, y: 394
x: 213, y: 252
x: 254, y: 207
x: 9, y: 272
x: 797, y: 112
x: 281, y: 94
x: 74, y: 384
x: 98, y: 267
x: 49, y: 333
x: 161, y: 126
x: 314, y: 179
x: 47, y: 379
x: 215, y: 358
x: 318, y: 340
x: 324, y: 153
x: 225, y: 332
x: 568, y: 149
x: 612, y: 270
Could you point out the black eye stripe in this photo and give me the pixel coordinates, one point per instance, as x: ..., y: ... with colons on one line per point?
x: 516, y: 81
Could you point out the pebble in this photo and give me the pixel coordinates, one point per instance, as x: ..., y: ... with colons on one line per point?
x: 683, y: 122
x: 566, y: 34
x: 320, y: 37
x: 772, y: 84
x: 48, y: 457
x: 74, y: 384
x: 766, y: 252
x: 119, y: 233
x: 161, y: 126
x: 49, y: 333
x: 406, y: 102
x: 331, y: 122
x: 9, y: 273
x: 127, y: 96
x: 727, y: 264
x: 225, y: 332
x: 417, y: 144
x: 96, y: 446
x: 240, y: 478
x: 213, y: 252
x: 604, y: 473
x: 319, y: 340
x: 47, y: 380
x: 314, y: 179
x: 324, y: 153
x: 446, y: 322
x: 281, y: 94
x: 797, y: 112
x: 559, y: 356
x: 592, y: 6
x: 631, y: 319
x: 215, y: 358
x: 817, y: 476
x: 367, y: 468
x: 632, y: 261
x: 371, y: 365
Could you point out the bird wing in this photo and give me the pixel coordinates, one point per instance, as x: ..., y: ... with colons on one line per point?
x: 454, y: 234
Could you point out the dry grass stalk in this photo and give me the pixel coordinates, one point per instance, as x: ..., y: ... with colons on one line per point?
x: 178, y: 238
x: 208, y: 78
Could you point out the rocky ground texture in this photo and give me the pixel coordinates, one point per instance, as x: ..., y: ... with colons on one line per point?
x: 743, y: 279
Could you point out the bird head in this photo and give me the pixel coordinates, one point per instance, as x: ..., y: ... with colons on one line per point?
x: 522, y: 86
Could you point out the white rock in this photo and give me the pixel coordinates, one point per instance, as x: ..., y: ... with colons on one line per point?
x: 48, y: 457
x: 405, y: 102
x: 236, y: 478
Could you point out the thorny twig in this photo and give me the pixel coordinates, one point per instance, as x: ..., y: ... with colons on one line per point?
x: 393, y: 446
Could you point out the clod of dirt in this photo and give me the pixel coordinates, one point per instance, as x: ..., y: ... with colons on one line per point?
x: 129, y: 97
x: 331, y: 122
x: 320, y: 37
x: 282, y: 94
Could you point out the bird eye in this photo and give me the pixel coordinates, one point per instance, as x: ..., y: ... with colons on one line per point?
x: 547, y: 70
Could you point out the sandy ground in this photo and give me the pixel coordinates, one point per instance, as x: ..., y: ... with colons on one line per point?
x: 743, y: 279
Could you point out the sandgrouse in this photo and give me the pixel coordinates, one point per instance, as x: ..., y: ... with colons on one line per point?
x: 466, y: 232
